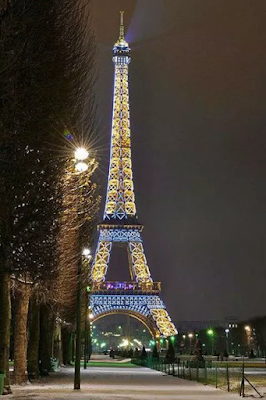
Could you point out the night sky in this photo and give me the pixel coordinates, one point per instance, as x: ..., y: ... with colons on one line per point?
x: 197, y: 87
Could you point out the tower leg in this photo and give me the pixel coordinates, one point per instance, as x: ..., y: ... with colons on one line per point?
x: 101, y: 261
x: 138, y: 262
x: 163, y: 322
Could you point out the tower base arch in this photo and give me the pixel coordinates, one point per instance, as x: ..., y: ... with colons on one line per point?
x: 147, y: 308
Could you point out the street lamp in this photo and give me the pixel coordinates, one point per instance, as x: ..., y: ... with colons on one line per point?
x: 227, y: 334
x: 190, y: 335
x: 210, y: 333
x: 86, y: 253
x: 248, y: 333
x: 81, y: 155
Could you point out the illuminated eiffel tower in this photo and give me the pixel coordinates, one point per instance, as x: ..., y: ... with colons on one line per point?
x: 139, y: 298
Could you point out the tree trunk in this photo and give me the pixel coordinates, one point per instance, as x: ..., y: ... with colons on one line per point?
x: 46, y: 339
x: 34, y: 335
x: 66, y: 346
x: 57, y: 342
x: 20, y: 332
x: 5, y: 320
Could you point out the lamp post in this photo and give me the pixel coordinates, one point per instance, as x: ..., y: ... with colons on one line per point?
x: 226, y: 335
x: 210, y: 333
x: 81, y: 155
x: 248, y: 333
x: 190, y: 335
x: 87, y: 257
x: 184, y: 343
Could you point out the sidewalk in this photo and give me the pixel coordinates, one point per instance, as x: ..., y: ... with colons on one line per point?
x: 103, y: 383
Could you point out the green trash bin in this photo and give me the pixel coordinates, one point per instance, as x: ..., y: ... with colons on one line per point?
x: 2, y: 378
x: 54, y: 364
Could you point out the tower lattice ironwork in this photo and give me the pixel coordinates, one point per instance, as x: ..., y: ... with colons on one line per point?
x: 140, y: 297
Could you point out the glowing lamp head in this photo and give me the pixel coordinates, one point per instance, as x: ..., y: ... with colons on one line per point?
x: 81, y: 154
x: 81, y: 166
x: 210, y: 332
x: 86, y: 252
x: 190, y: 335
x: 247, y: 328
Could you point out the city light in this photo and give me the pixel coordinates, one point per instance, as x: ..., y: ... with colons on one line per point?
x: 247, y: 328
x: 210, y: 332
x: 190, y: 335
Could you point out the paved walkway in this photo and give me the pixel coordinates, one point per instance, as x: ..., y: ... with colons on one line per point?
x: 117, y: 383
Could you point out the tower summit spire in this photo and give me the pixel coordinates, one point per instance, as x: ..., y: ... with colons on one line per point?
x: 121, y: 47
x: 122, y: 28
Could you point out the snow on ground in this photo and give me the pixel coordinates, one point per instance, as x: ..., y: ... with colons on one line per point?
x: 116, y: 383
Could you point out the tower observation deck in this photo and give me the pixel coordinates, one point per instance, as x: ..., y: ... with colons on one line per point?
x: 140, y: 297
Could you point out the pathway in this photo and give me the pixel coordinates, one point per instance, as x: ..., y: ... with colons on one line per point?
x: 117, y: 383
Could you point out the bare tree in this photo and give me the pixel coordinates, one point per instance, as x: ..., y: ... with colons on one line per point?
x: 46, y: 85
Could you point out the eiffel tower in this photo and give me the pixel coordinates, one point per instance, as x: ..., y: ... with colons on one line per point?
x: 140, y: 298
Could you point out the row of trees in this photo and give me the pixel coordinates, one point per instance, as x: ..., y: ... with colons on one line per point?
x: 47, y: 55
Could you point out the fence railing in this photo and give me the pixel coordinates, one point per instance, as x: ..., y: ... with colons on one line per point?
x: 223, y: 376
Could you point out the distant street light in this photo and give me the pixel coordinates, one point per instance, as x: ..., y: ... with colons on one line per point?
x: 190, y: 335
x: 226, y: 342
x: 210, y: 333
x: 248, y: 333
x: 86, y: 252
